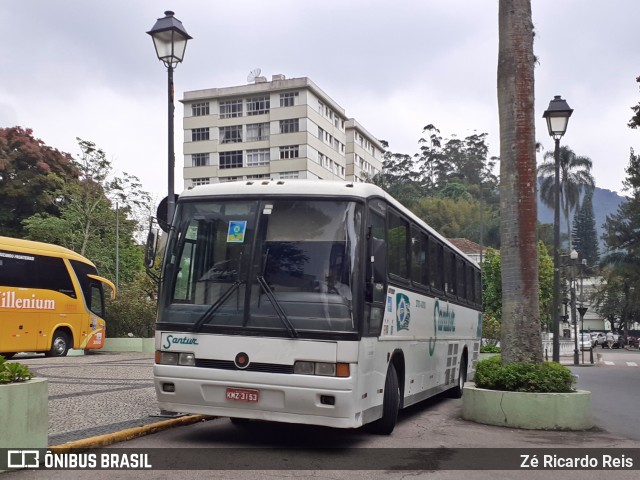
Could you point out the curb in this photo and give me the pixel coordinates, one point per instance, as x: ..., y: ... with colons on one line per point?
x: 128, y: 434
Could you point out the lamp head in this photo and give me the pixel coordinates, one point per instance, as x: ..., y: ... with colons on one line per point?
x: 170, y: 39
x: 557, y: 116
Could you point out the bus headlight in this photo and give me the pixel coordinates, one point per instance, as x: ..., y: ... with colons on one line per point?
x: 321, y: 368
x: 187, y: 359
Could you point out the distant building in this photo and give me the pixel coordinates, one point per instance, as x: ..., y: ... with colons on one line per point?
x: 471, y: 249
x: 278, y: 129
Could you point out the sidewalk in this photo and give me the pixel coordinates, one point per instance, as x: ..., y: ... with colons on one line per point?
x: 102, y: 394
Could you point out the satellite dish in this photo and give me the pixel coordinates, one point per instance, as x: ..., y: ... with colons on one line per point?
x: 253, y: 74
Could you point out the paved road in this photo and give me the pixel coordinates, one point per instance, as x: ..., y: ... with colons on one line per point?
x: 105, y: 392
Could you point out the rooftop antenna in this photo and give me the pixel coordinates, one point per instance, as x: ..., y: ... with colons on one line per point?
x: 253, y: 74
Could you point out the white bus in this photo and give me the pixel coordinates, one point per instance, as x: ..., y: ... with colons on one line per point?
x: 310, y: 302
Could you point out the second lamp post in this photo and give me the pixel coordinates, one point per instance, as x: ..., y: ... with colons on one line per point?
x: 557, y: 116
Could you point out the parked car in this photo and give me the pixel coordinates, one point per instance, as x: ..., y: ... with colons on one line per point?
x: 585, y: 342
x: 598, y: 338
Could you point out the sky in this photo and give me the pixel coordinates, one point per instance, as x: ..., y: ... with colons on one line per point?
x: 87, y: 69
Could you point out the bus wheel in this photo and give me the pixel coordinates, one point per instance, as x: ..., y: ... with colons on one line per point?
x: 390, y: 404
x: 59, y: 345
x: 8, y: 356
x: 239, y: 421
x: 456, y: 392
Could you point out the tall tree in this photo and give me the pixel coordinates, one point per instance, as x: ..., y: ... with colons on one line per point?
x: 521, y: 340
x: 585, y: 236
x: 30, y: 174
x: 87, y: 220
x: 575, y: 179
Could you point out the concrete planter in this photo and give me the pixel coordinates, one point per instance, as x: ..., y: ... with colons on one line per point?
x: 532, y: 411
x: 146, y: 345
x: 24, y: 414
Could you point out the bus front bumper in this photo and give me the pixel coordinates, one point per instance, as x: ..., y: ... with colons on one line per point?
x: 302, y: 399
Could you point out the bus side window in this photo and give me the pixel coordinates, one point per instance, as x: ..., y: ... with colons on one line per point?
x: 53, y: 275
x: 97, y: 299
x: 397, y: 247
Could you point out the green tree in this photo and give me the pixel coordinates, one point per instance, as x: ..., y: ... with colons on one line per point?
x: 87, y: 219
x: 30, y: 175
x: 460, y: 218
x: 492, y: 285
x: 133, y: 312
x: 575, y: 179
x: 585, y: 236
x: 620, y: 267
x: 520, y: 339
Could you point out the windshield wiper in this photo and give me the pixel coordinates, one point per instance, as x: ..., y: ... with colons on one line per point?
x: 276, y: 306
x: 211, y: 311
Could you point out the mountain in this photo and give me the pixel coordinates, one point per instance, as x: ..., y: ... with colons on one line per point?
x: 605, y: 202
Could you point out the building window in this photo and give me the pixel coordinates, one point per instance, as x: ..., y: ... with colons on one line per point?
x: 290, y: 125
x: 257, y: 158
x: 229, y: 179
x: 257, y: 132
x: 288, y: 99
x: 289, y: 175
x: 231, y: 109
x: 257, y: 105
x: 232, y: 134
x: 231, y: 159
x: 199, y: 134
x: 200, y: 159
x: 263, y: 176
x: 200, y: 181
x: 200, y: 109
x: 290, y: 151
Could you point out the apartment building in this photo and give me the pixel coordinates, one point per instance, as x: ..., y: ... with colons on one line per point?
x: 278, y: 129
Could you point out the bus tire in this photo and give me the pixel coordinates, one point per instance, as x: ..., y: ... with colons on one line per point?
x: 456, y: 392
x: 390, y: 404
x: 241, y: 422
x: 59, y: 344
x: 7, y: 356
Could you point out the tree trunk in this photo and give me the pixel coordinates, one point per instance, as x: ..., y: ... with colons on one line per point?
x: 520, y: 340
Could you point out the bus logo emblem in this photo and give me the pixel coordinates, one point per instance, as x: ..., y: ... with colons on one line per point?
x: 403, y: 312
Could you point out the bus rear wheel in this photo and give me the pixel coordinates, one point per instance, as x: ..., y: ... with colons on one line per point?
x: 456, y: 392
x: 390, y: 404
x: 59, y: 345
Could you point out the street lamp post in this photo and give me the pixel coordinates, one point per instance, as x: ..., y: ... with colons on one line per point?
x: 170, y: 41
x: 574, y: 318
x: 557, y: 116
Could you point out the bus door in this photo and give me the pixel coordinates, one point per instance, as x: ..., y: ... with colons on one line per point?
x: 376, y: 271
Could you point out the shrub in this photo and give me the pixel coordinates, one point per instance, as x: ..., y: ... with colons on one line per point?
x: 489, y: 349
x: 546, y: 377
x: 13, y: 372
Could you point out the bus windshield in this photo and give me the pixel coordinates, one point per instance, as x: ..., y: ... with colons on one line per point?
x: 285, y: 265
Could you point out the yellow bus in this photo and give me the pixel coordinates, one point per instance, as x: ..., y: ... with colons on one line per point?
x: 51, y: 299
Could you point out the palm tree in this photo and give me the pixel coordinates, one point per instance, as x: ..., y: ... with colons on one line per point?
x: 520, y: 337
x: 575, y: 176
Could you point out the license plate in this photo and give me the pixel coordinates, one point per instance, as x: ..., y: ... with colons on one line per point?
x: 242, y: 395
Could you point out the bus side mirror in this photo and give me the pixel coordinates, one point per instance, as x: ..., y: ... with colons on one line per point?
x: 150, y: 248
x: 150, y: 251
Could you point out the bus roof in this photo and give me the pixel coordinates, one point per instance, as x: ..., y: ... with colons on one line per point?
x: 40, y: 248
x: 314, y: 188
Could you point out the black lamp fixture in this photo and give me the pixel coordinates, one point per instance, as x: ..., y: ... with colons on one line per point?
x: 557, y: 116
x: 170, y: 40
